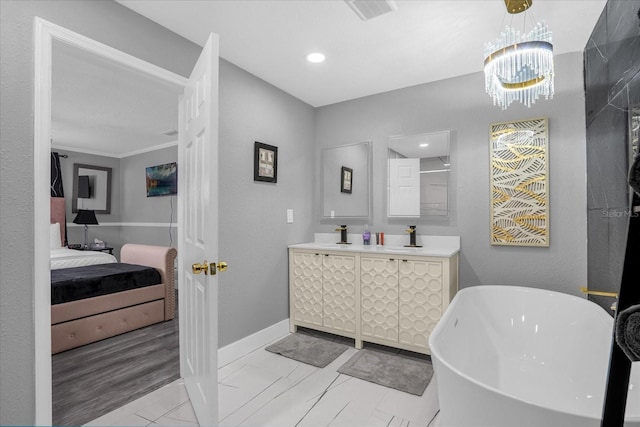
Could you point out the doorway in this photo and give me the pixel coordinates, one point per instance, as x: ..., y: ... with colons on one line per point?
x: 107, y: 115
x: 45, y: 34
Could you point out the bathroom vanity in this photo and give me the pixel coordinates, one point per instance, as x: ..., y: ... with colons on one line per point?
x: 390, y: 295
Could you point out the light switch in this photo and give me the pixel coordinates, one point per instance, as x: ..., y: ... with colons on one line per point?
x: 333, y: 214
x: 289, y: 216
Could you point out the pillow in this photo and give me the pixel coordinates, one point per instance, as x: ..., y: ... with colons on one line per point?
x: 54, y: 236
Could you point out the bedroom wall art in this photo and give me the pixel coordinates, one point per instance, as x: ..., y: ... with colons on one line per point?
x: 162, y: 180
x: 520, y: 183
x: 96, y: 183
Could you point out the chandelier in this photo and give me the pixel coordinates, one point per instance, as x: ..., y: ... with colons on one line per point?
x: 519, y: 66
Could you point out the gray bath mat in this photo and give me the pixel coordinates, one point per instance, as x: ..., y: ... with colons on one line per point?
x: 304, y: 348
x: 399, y: 371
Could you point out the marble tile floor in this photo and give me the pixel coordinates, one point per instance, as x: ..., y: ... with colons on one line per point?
x: 263, y: 389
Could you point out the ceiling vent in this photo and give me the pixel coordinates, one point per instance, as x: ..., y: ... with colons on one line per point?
x: 368, y: 9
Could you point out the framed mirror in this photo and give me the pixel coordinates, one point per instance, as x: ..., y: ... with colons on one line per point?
x: 418, y: 175
x: 91, y: 188
x: 346, y: 181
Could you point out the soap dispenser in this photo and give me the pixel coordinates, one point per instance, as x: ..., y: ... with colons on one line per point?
x: 366, y: 236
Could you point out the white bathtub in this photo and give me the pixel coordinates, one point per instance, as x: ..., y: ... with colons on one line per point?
x: 512, y: 356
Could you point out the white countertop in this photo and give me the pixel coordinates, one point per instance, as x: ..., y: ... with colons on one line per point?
x: 435, y: 246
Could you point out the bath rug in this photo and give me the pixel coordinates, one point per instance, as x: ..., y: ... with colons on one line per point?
x: 628, y: 332
x: 399, y: 371
x: 312, y: 350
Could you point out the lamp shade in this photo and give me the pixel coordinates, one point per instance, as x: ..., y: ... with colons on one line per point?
x: 86, y: 216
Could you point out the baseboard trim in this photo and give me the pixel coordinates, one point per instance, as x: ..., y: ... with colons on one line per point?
x: 235, y: 350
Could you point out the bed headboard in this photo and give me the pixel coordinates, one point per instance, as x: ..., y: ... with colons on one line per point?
x: 58, y: 214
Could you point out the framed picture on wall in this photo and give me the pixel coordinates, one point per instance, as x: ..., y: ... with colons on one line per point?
x: 265, y: 162
x: 346, y: 180
x: 162, y: 180
x: 520, y: 182
x: 91, y: 189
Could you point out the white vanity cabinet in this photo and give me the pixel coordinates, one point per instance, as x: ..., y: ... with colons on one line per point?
x: 402, y: 299
x: 379, y: 299
x: 322, y: 291
x: 422, y: 300
x: 372, y: 295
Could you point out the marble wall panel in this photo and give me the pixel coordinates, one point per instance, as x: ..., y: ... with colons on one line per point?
x: 623, y: 42
x: 595, y: 69
x: 598, y: 249
x: 607, y: 156
x: 612, y: 65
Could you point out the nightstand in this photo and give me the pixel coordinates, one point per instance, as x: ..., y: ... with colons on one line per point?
x: 105, y: 249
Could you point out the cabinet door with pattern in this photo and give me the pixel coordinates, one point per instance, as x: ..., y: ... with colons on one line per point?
x: 379, y: 298
x: 307, y: 287
x: 339, y: 292
x: 420, y: 295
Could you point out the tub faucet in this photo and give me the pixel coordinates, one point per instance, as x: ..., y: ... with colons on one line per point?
x: 343, y: 234
x: 412, y: 237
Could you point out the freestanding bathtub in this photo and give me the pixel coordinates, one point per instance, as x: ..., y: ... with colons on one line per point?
x: 508, y: 356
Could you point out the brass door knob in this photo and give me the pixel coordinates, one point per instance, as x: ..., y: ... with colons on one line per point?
x: 222, y: 266
x: 200, y: 268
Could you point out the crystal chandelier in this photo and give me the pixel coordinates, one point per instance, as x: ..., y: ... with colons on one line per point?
x: 519, y: 66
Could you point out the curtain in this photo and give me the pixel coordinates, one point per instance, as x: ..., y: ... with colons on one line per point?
x: 57, y: 190
x: 56, y: 176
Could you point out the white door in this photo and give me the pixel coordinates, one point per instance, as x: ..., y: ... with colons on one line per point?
x: 198, y: 234
x: 404, y: 187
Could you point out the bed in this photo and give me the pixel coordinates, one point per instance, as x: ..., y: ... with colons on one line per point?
x: 95, y: 297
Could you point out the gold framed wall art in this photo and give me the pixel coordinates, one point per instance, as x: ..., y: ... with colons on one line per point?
x: 520, y: 183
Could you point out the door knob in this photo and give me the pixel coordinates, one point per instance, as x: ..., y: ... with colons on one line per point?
x: 201, y: 268
x: 221, y: 267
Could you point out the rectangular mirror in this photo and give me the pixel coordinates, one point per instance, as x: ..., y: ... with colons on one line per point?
x: 418, y: 175
x: 346, y: 181
x: 91, y: 188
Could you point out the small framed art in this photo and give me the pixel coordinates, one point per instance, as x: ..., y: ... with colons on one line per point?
x: 162, y: 180
x: 346, y: 180
x: 265, y: 163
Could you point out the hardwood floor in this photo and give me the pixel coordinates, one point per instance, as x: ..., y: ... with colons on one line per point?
x: 95, y: 379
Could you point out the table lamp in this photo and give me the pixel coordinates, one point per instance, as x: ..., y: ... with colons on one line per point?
x: 86, y: 217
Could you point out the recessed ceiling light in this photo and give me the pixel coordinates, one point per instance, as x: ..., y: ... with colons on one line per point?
x: 424, y: 145
x: 316, y: 57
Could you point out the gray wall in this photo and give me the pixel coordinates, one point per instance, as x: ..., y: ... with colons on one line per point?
x: 252, y: 215
x: 254, y: 233
x: 138, y: 208
x: 75, y: 234
x: 612, y: 75
x: 460, y: 104
x: 129, y: 201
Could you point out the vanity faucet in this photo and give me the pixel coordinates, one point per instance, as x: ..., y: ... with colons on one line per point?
x: 343, y: 234
x: 412, y: 235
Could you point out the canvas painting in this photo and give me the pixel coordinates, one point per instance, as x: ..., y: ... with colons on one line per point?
x: 162, y: 180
